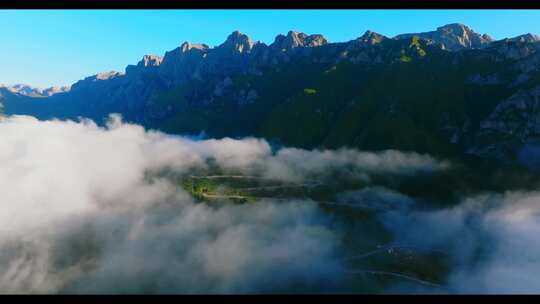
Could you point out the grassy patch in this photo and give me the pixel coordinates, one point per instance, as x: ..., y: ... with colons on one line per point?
x: 310, y: 91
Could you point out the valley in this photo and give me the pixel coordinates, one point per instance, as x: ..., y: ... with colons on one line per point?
x: 373, y: 262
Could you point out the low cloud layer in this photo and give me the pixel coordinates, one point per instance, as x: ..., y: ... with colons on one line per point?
x: 492, y: 240
x: 87, y: 209
x: 83, y: 212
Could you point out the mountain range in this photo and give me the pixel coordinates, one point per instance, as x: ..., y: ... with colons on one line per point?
x: 450, y: 92
x: 27, y: 90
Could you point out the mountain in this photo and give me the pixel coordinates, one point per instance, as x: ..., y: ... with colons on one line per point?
x: 526, y: 38
x: 449, y: 92
x: 27, y: 90
x: 454, y: 37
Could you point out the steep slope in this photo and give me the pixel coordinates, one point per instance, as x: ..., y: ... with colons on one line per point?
x: 376, y: 93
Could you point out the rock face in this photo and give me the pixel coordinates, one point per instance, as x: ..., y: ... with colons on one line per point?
x: 24, y: 89
x: 147, y: 62
x: 454, y: 37
x: 236, y: 43
x: 296, y: 39
x: 513, y: 124
x: 371, y: 38
x: 191, y: 62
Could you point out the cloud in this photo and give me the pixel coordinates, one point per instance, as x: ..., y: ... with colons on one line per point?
x: 296, y: 165
x: 491, y: 239
x: 86, y: 209
x: 386, y: 162
x: 82, y: 213
x: 378, y: 199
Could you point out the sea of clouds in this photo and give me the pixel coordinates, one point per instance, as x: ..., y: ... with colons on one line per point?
x: 86, y: 210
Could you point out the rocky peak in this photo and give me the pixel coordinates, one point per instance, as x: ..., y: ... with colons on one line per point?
x: 27, y: 90
x: 454, y: 36
x: 371, y: 38
x: 487, y: 37
x: 457, y: 29
x: 295, y: 39
x: 147, y: 62
x: 520, y: 47
x: 457, y: 35
x: 187, y: 46
x: 150, y: 61
x: 22, y: 89
x: 108, y: 75
x: 282, y: 42
x: 526, y: 38
x: 315, y: 40
x: 100, y: 78
x: 183, y: 50
x: 55, y: 90
x: 237, y: 42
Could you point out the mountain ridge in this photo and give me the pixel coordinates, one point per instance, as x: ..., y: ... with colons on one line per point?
x: 294, y: 39
x: 28, y: 90
x: 238, y: 42
x: 304, y: 91
x: 453, y: 36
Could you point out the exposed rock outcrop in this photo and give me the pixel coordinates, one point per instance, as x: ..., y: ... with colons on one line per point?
x: 454, y: 37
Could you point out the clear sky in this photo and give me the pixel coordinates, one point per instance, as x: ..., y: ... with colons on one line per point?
x: 49, y: 47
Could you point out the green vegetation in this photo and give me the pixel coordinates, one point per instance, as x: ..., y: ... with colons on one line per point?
x: 173, y: 96
x: 198, y: 187
x: 370, y: 107
x: 310, y: 91
x: 205, y: 188
x: 351, y: 221
x: 405, y: 58
x: 415, y: 43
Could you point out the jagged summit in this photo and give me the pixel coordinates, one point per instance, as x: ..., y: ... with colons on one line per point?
x: 371, y: 37
x: 106, y: 75
x: 242, y: 87
x: 529, y: 37
x: 453, y: 37
x: 456, y: 28
x: 187, y: 46
x: 22, y: 89
x: 295, y: 39
x: 237, y: 42
x: 462, y: 30
x: 55, y: 90
x: 315, y: 40
x: 184, y: 49
x: 239, y: 53
x: 28, y: 90
x: 150, y: 60
x: 98, y: 77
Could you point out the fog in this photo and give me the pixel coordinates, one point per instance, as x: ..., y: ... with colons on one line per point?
x: 85, y: 209
x: 492, y: 240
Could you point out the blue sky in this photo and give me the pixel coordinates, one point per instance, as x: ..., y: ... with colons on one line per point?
x: 48, y: 47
